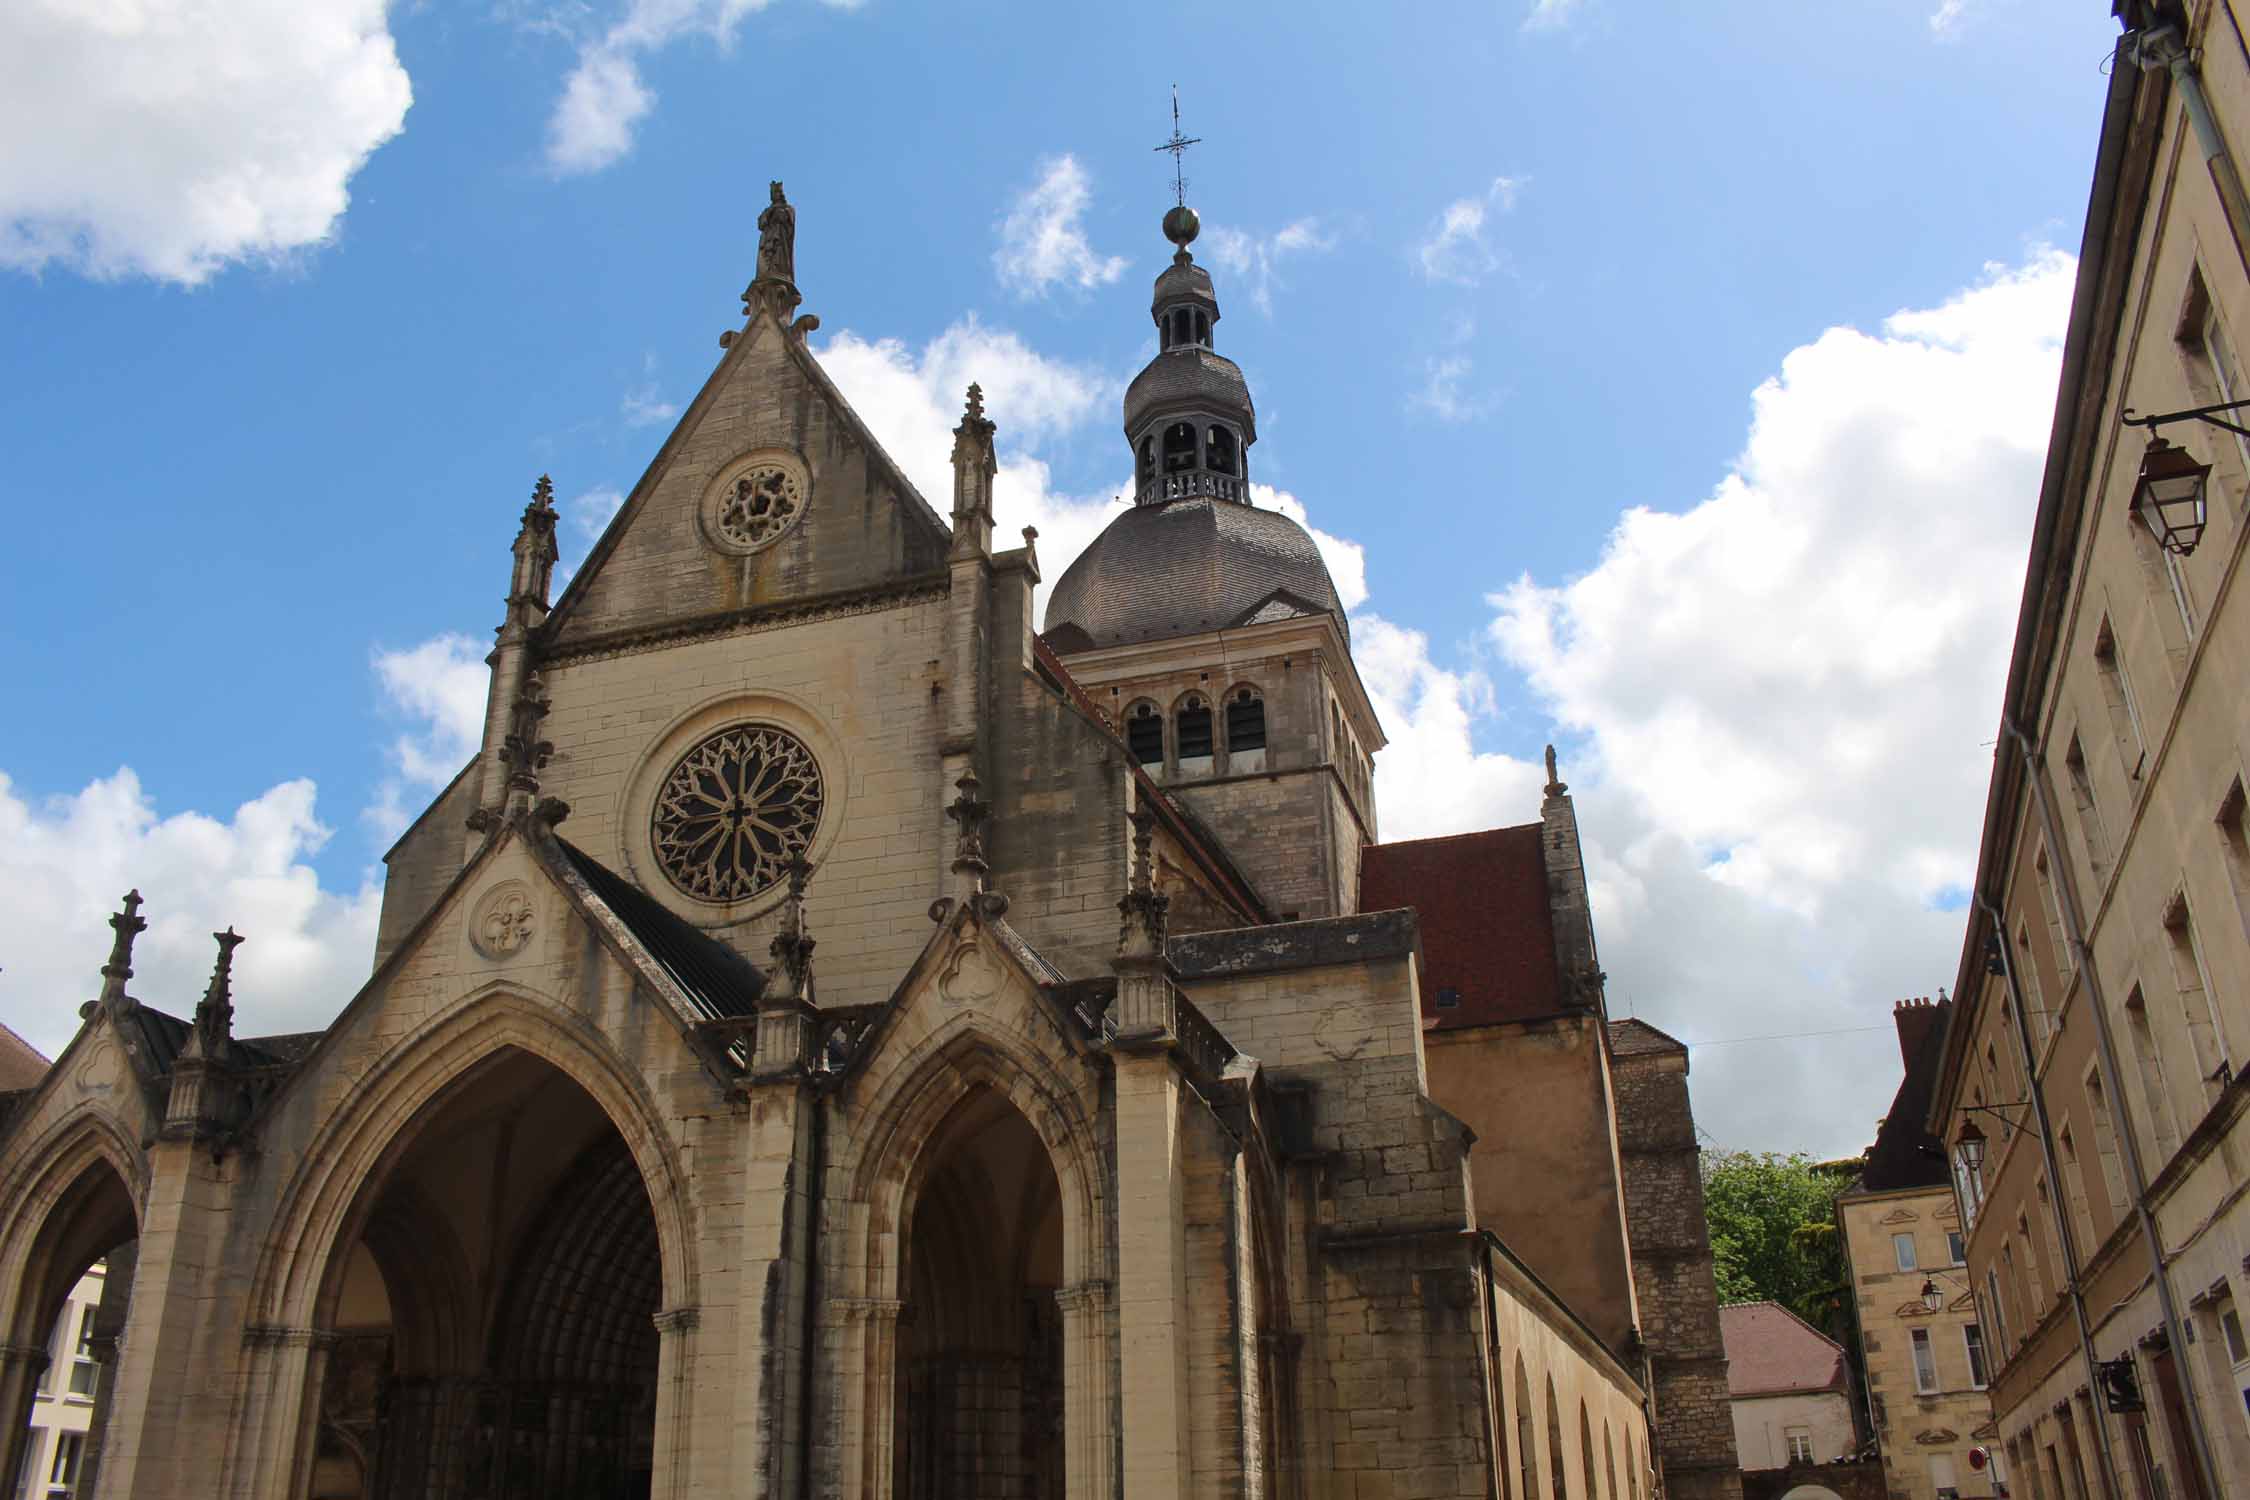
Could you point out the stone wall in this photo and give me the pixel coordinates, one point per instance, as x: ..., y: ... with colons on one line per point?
x: 1671, y: 1245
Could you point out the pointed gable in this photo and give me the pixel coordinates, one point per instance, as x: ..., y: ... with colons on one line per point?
x: 828, y: 513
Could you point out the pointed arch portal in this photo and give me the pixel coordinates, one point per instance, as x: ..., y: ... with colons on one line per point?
x: 493, y: 1320
x: 982, y: 1378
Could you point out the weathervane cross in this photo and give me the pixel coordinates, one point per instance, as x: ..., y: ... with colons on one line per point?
x: 1176, y: 145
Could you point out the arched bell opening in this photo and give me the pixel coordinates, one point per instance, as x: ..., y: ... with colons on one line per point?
x: 982, y: 1378
x: 491, y: 1320
x: 70, y: 1315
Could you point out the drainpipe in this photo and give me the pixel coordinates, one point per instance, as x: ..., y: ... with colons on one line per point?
x: 2074, y: 929
x: 2163, y: 47
x: 1997, y: 947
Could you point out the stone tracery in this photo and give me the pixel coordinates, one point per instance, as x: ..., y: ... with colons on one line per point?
x: 734, y: 812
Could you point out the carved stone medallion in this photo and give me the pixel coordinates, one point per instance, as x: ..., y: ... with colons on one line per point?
x: 970, y: 976
x: 735, y: 810
x: 502, y: 924
x: 756, y: 500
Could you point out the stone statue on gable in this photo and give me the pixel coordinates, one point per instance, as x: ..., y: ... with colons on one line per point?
x: 777, y: 240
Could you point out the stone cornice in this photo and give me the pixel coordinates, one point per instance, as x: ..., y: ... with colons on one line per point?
x: 919, y: 589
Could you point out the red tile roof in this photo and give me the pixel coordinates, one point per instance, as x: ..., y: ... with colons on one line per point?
x: 1771, y: 1352
x: 21, y: 1066
x: 1486, y: 932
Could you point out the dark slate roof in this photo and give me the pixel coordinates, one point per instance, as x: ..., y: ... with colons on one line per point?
x: 715, y: 978
x: 21, y: 1065
x: 1487, y: 934
x: 1772, y: 1352
x: 1183, y: 281
x: 1190, y: 378
x: 1906, y: 1155
x: 1181, y: 568
x: 280, y: 1051
x: 1636, y: 1038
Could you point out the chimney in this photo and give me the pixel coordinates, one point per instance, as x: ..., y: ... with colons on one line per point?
x: 1915, y: 1020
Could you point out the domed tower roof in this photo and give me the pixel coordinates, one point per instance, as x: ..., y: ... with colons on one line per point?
x: 1192, y: 554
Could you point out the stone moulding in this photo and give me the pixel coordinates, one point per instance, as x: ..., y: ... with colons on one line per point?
x: 923, y: 588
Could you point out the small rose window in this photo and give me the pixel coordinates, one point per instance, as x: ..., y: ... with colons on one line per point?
x: 735, y: 810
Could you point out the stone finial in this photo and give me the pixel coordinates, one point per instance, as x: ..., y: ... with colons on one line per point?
x: 128, y: 924
x: 976, y: 403
x: 974, y: 465
x: 1140, y: 933
x: 214, y: 1014
x: 774, y: 288
x: 793, y: 945
x: 969, y: 813
x: 1555, y: 784
x: 524, y: 752
x: 535, y: 552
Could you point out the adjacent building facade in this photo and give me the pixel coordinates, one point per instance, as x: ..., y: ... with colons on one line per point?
x: 1790, y: 1386
x: 1114, y: 1143
x: 62, y: 1408
x: 2090, y: 1088
x: 1928, y: 1372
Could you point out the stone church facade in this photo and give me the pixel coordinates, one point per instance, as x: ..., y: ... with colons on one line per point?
x: 839, y: 1039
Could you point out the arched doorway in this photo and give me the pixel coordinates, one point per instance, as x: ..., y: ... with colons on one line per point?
x: 982, y: 1335
x: 493, y: 1316
x: 71, y: 1304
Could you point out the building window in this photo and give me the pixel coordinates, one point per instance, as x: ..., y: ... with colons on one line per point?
x: 2234, y: 844
x: 1973, y: 1337
x: 62, y: 1474
x: 1147, y: 465
x: 2089, y: 815
x: 2201, y: 1018
x: 2050, y: 902
x: 1218, y: 452
x: 1800, y: 1445
x: 2230, y: 1328
x: 1246, y: 724
x: 1956, y: 1248
x: 1144, y: 734
x: 1943, y: 1479
x: 2105, y: 1142
x: 1925, y: 1363
x: 2154, y: 1087
x: 1191, y: 729
x: 1902, y: 1251
x: 2117, y: 692
x: 1994, y: 1313
x: 1179, y: 447
x: 82, y: 1358
x: 2034, y: 996
x: 1449, y: 999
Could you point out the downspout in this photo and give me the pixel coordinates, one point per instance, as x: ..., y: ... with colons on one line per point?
x: 1998, y: 948
x: 2163, y: 47
x: 2066, y: 890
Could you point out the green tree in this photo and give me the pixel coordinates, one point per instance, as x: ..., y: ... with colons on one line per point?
x: 1774, y: 1235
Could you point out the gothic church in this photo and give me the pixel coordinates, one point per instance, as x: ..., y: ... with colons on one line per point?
x: 838, y: 1038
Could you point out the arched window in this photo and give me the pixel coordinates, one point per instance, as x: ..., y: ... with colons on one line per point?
x: 1192, y: 733
x: 1246, y: 721
x: 1586, y: 1454
x: 1148, y: 459
x: 1144, y: 734
x: 1179, y: 447
x: 1527, y: 1437
x: 1557, y: 1485
x: 1203, y: 330
x: 1609, y: 1461
x: 1218, y: 451
x: 1179, y: 328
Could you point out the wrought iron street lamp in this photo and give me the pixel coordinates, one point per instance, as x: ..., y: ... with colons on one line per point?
x: 1932, y: 1298
x: 2170, y: 495
x: 1971, y: 1144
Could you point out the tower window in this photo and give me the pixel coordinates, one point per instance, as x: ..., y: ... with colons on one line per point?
x: 1246, y: 721
x: 1148, y: 459
x: 1179, y: 447
x: 1179, y: 328
x: 1144, y: 734
x: 1193, y: 729
x: 1203, y: 330
x: 1218, y: 451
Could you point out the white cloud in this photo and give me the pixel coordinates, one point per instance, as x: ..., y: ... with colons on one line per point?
x: 605, y: 97
x: 66, y: 861
x: 1783, y: 695
x: 1455, y: 249
x: 1042, y: 241
x: 1945, y: 21
x: 1259, y: 257
x: 1443, y: 394
x: 171, y: 138
x: 438, y: 688
x: 644, y: 405
x: 1550, y: 15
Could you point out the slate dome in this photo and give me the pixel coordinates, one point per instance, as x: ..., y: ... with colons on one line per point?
x: 1161, y: 571
x: 1190, y: 378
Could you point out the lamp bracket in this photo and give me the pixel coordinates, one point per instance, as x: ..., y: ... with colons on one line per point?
x: 2208, y: 415
x: 2000, y: 1110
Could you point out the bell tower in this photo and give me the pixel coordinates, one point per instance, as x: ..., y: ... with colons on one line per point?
x: 1209, y: 627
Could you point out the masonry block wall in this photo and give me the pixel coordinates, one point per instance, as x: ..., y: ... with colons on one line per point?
x: 1671, y: 1244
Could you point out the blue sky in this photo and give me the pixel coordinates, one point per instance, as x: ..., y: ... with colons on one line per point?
x: 1499, y: 274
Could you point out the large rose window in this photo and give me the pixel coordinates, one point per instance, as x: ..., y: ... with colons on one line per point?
x: 735, y: 811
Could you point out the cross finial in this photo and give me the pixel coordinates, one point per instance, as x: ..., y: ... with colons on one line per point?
x: 1177, y: 145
